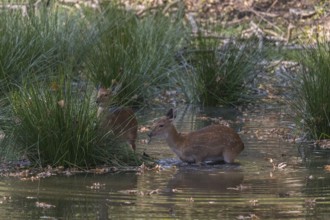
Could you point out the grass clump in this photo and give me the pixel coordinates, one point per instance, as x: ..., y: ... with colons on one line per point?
x: 57, y: 125
x: 136, y: 53
x: 45, y: 112
x: 218, y: 73
x: 311, y: 102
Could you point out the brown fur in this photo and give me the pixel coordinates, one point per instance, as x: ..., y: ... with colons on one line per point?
x: 121, y: 121
x: 211, y: 143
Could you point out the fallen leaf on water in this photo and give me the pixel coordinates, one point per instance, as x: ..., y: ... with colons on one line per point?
x: 203, y: 117
x: 327, y: 168
x: 282, y: 165
x: 44, y: 174
x: 324, y: 144
x: 176, y: 191
x: 44, y: 205
x: 157, y: 168
x: 156, y: 191
x: 96, y: 186
x: 132, y: 192
x: 310, y: 201
x: 253, y: 202
x: 271, y: 174
x: 310, y: 177
x: 250, y: 216
x: 143, y: 168
x: 239, y: 187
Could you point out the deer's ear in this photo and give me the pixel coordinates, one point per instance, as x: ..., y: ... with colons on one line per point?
x: 170, y: 114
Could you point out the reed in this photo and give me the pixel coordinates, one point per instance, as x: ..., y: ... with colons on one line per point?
x: 57, y: 125
x: 136, y: 53
x: 311, y: 102
x: 46, y: 39
x: 218, y: 73
x: 47, y: 58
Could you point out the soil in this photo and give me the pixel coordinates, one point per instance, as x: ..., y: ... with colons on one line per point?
x: 280, y: 20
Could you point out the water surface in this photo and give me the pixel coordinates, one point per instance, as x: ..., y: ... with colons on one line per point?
x: 272, y: 179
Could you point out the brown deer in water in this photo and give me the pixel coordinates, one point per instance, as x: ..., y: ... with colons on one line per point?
x: 121, y: 120
x: 211, y: 143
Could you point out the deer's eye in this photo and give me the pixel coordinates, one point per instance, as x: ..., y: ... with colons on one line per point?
x: 161, y: 126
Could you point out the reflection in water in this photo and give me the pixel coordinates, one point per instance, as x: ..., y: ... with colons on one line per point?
x: 258, y: 187
x: 80, y: 196
x: 205, y: 179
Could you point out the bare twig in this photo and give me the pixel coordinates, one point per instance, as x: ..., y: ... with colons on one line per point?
x: 23, y: 7
x: 264, y: 19
x: 169, y: 5
x: 192, y: 22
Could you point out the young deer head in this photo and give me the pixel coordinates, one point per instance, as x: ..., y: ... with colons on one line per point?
x: 162, y: 125
x: 103, y: 96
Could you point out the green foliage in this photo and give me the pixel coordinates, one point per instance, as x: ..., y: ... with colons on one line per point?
x: 45, y: 56
x: 57, y: 125
x: 218, y: 74
x: 6, y: 125
x: 311, y: 102
x: 137, y: 54
x: 43, y: 40
x: 51, y: 134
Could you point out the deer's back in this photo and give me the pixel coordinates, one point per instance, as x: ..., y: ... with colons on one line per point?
x: 214, y: 135
x: 212, y: 142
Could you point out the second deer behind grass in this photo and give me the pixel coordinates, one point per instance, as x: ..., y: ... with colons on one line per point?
x: 120, y: 120
x: 212, y: 143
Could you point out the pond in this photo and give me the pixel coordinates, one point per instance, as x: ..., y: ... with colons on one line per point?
x: 272, y: 179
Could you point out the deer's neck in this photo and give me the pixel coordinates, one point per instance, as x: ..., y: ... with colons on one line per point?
x: 174, y: 139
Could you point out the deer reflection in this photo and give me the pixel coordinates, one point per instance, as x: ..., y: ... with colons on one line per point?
x: 205, y: 180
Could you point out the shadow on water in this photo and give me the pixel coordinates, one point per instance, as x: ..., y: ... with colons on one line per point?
x: 206, y: 179
x: 272, y: 179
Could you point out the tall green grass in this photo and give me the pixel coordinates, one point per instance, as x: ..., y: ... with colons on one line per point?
x: 216, y: 73
x: 42, y: 62
x: 311, y: 102
x: 138, y: 54
x: 46, y: 39
x: 56, y: 124
x: 51, y: 134
x: 6, y: 125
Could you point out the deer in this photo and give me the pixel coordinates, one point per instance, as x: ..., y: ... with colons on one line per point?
x: 120, y: 120
x: 213, y: 143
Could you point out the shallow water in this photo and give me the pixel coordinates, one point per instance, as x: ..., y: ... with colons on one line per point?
x: 271, y: 180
